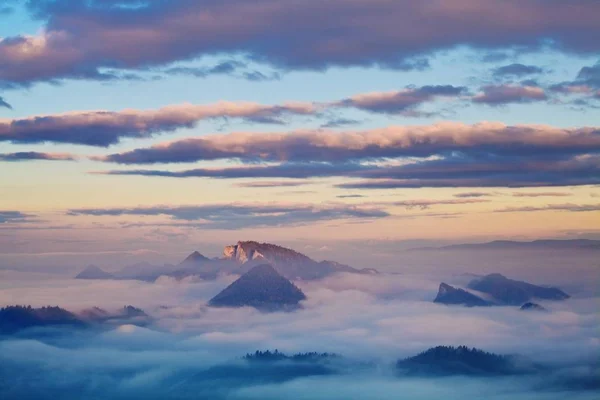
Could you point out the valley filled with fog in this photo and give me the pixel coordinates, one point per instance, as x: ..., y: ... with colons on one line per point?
x: 182, y: 347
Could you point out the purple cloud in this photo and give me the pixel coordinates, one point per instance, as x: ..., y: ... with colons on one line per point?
x: 390, y: 142
x: 517, y: 70
x: 34, y: 155
x: 239, y: 216
x: 495, y: 95
x: 401, y: 102
x: 103, y: 128
x: 81, y: 37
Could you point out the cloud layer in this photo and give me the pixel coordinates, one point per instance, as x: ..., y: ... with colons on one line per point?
x: 82, y: 37
x: 238, y: 216
x: 103, y: 128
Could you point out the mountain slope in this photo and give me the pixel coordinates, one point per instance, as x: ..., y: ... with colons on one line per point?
x: 512, y: 292
x: 454, y: 296
x: 262, y: 288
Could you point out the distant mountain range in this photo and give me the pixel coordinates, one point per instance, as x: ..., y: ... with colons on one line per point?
x: 575, y: 244
x: 236, y: 259
x: 263, y: 288
x: 501, y: 290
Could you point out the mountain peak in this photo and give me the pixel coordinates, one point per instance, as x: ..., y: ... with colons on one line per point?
x: 455, y: 296
x: 94, y: 272
x: 263, y: 288
x: 513, y: 292
x: 195, y: 257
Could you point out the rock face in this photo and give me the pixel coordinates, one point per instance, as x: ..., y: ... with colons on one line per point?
x: 511, y: 292
x: 94, y: 272
x: 287, y: 262
x: 454, y: 296
x: 532, y: 307
x: 16, y: 318
x: 262, y: 288
x: 446, y: 360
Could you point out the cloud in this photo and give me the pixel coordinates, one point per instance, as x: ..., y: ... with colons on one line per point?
x: 541, y: 194
x: 340, y: 122
x: 79, y: 38
x: 350, y: 196
x: 8, y: 216
x: 238, y: 216
x: 232, y: 68
x: 458, y: 171
x: 4, y: 104
x: 517, y: 70
x: 587, y: 82
x: 283, y: 170
x: 34, y: 155
x: 401, y: 102
x: 391, y: 142
x: 555, y: 207
x: 103, y: 128
x: 504, y: 94
x: 473, y: 194
x: 269, y: 184
x: 426, y: 204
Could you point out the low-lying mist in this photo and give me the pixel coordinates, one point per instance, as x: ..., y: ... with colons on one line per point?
x: 191, y: 351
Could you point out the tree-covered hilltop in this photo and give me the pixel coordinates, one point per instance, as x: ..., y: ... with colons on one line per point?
x: 449, y: 360
x: 16, y: 318
x: 276, y: 355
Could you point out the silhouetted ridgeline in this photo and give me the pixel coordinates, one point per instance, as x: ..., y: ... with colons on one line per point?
x: 276, y: 355
x: 16, y: 318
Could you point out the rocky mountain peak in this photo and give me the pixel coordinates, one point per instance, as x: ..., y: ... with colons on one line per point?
x: 263, y: 288
x: 195, y: 257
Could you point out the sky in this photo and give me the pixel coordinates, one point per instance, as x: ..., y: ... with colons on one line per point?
x: 147, y: 129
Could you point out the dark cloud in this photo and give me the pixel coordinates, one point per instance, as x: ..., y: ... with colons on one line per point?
x: 269, y: 184
x: 350, y: 196
x: 473, y: 194
x: 232, y: 68
x: 340, y: 122
x: 34, y: 155
x: 7, y: 216
x: 284, y: 170
x: 103, y: 128
x: 236, y: 216
x: 401, y: 102
x: 554, y: 207
x: 391, y: 142
x: 4, y: 104
x: 517, y: 70
x: 587, y: 82
x: 80, y: 37
x: 426, y: 204
x: 496, y: 95
x: 458, y: 171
